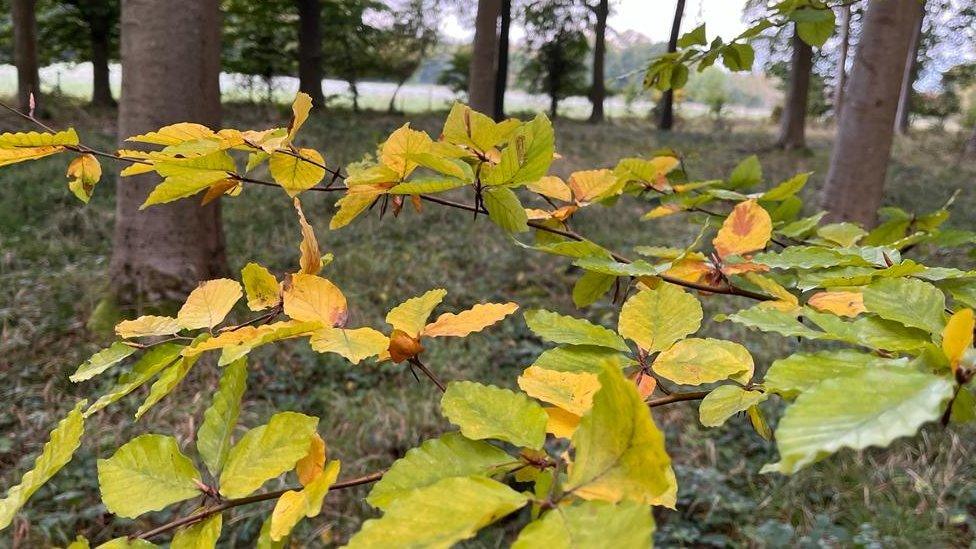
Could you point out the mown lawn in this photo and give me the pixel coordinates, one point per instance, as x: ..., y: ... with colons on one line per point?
x: 53, y: 264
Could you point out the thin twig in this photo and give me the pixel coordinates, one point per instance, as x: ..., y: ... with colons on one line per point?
x: 427, y: 372
x: 676, y: 397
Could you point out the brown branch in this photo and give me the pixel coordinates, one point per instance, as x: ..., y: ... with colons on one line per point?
x: 676, y: 397
x: 206, y: 512
x: 427, y: 372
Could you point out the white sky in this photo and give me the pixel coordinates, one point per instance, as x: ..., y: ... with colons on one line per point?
x: 649, y: 17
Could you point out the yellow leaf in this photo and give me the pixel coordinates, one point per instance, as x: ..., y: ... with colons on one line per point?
x: 261, y: 287
x: 12, y: 156
x: 147, y: 326
x: 296, y: 174
x: 695, y: 361
x: 663, y: 210
x: 839, y: 303
x: 175, y: 134
x: 311, y: 258
x: 747, y: 229
x: 689, y: 270
x: 244, y: 338
x: 313, y: 298
x: 289, y: 509
x: 591, y: 185
x: 561, y: 423
x: 475, y: 319
x: 300, y: 109
x: 209, y: 303
x: 355, y: 202
x: 411, y: 315
x: 229, y: 187
x: 571, y: 391
x: 84, y: 172
x: 185, y: 177
x: 311, y: 466
x: 553, y: 187
x: 395, y: 153
x: 22, y: 140
x: 785, y: 301
x: 957, y: 337
x: 354, y: 345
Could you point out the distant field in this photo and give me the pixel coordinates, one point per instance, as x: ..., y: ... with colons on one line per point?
x: 75, y: 81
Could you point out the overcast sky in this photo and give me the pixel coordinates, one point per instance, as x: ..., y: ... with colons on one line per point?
x: 652, y: 18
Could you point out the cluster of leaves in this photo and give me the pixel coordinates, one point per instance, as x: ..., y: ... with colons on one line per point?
x: 814, y: 20
x: 575, y: 446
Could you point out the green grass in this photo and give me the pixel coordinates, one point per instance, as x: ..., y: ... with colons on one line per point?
x: 53, y: 265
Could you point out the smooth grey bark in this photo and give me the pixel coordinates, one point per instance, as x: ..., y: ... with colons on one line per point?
x: 855, y: 182
x: 903, y: 116
x: 24, y: 22
x: 598, y: 88
x: 170, y: 73
x: 501, y: 73
x: 792, y: 133
x: 484, y: 54
x: 844, y: 22
x: 99, y: 37
x: 310, y: 50
x: 666, y: 121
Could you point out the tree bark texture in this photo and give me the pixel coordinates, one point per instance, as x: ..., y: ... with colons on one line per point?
x: 666, y: 121
x: 170, y: 73
x: 25, y: 52
x: 844, y: 22
x: 855, y: 182
x: 484, y: 68
x: 792, y: 133
x: 598, y: 89
x: 100, y: 38
x: 903, y: 117
x: 310, y: 50
x: 501, y: 76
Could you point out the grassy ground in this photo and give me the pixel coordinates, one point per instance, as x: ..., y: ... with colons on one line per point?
x: 53, y: 257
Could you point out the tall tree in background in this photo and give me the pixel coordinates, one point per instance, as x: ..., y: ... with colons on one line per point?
x: 310, y: 49
x: 501, y: 73
x: 484, y: 55
x: 259, y: 39
x: 666, y: 121
x: 903, y: 116
x: 25, y: 52
x: 161, y: 86
x: 557, y: 50
x: 598, y: 85
x: 855, y: 182
x: 350, y: 42
x: 792, y: 134
x: 406, y: 42
x: 840, y: 81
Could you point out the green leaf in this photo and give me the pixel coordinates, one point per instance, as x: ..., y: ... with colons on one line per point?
x: 911, y: 302
x: 428, y: 185
x: 266, y: 452
x: 787, y: 188
x: 590, y: 288
x: 609, y: 266
x: 213, y: 436
x: 57, y: 452
x: 746, y: 174
x: 809, y: 257
x: 183, y: 177
x: 590, y: 524
x: 167, y: 381
x: 558, y: 328
x: 814, y: 25
x: 724, y: 402
x: 738, y: 56
x: 440, y: 515
x: 485, y: 411
x: 695, y: 361
x: 801, y: 372
x: 872, y: 332
x: 693, y: 37
x: 768, y: 319
x: 872, y: 408
x: 656, y: 318
x: 528, y: 154
x: 202, y: 535
x: 581, y: 358
x: 144, y: 369
x: 620, y: 452
x: 126, y: 543
x: 102, y: 360
x: 842, y: 234
x: 451, y: 455
x: 505, y: 210
x: 146, y: 474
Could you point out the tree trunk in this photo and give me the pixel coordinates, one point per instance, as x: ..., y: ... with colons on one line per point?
x: 971, y: 144
x: 667, y: 99
x: 844, y: 46
x: 99, y: 30
x: 598, y: 89
x: 481, y: 79
x: 792, y: 133
x: 25, y: 53
x: 855, y: 182
x: 501, y: 74
x: 310, y: 50
x: 553, y: 106
x: 391, y: 108
x: 903, y: 118
x: 170, y: 73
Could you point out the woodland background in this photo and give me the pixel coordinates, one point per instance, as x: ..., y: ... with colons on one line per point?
x: 371, y: 66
